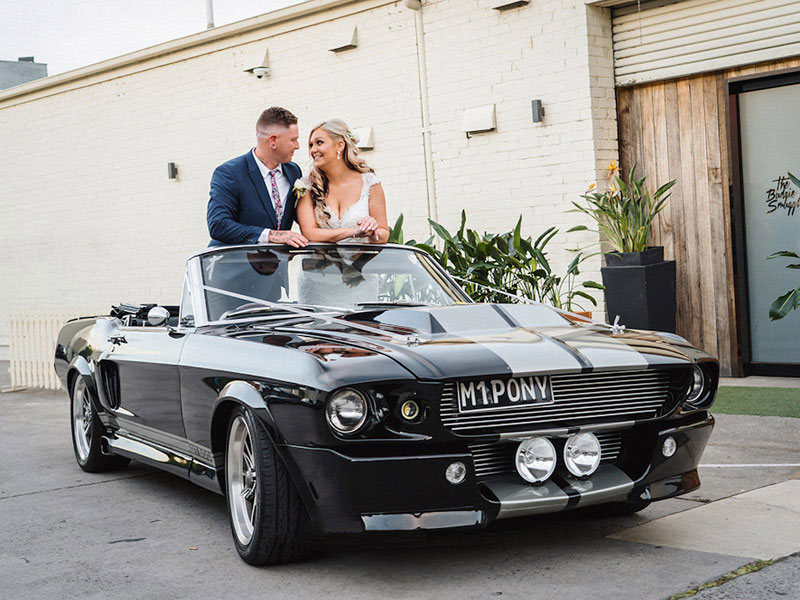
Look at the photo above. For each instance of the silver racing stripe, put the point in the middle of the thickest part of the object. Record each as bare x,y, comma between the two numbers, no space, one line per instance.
518,498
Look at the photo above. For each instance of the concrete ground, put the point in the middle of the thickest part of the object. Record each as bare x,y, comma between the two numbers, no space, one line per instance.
140,533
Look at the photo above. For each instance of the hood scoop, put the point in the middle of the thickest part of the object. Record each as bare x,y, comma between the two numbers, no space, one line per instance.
461,319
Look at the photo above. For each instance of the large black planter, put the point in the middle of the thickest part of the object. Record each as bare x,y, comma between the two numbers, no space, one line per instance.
640,288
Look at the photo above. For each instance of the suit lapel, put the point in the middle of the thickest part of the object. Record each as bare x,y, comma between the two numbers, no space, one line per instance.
261,188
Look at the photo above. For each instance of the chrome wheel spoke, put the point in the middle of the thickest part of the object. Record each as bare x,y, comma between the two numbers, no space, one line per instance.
242,480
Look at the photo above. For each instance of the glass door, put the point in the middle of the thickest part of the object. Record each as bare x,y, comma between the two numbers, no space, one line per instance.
768,148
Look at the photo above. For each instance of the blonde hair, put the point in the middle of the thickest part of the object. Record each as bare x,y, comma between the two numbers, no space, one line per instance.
319,186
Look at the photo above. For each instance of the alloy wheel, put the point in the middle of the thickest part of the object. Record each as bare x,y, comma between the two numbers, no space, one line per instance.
242,480
82,415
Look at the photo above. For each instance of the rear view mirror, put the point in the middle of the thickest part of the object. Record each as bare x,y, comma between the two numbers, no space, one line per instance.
157,316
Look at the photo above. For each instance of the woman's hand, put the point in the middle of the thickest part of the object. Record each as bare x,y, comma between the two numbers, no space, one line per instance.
368,225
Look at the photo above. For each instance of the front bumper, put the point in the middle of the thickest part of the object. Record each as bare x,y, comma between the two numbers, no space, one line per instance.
347,494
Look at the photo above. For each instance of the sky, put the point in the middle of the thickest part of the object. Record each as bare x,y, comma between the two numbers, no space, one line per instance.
69,34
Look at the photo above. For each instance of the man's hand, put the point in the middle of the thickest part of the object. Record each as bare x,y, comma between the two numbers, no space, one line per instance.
290,238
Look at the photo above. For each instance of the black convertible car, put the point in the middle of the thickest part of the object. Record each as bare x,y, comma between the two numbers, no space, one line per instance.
352,388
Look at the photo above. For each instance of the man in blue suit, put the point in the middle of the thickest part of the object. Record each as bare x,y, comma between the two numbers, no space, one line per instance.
251,199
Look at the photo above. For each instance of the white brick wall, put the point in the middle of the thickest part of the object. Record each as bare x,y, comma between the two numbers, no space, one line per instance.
89,216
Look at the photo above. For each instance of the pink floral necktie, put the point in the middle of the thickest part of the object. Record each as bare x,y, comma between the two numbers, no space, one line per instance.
276,196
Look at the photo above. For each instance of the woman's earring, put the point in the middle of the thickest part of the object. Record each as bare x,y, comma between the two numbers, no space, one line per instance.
339,155
273,146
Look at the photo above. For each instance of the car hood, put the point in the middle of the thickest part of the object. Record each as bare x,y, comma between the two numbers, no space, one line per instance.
473,340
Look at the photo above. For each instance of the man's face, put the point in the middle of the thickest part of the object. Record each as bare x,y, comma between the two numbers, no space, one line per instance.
286,143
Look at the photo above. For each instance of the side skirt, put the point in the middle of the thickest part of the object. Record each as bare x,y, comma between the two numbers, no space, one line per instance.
162,458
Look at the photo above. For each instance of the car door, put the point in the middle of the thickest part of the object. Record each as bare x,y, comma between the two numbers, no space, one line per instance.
141,378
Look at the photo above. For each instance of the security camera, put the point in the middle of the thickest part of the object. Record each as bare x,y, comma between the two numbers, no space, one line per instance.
261,72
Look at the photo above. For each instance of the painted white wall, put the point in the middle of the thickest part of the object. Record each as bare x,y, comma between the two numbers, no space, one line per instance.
90,217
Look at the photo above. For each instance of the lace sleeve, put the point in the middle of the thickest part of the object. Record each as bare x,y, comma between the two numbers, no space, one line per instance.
371,179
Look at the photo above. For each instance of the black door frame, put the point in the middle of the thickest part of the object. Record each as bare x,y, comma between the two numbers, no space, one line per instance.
736,86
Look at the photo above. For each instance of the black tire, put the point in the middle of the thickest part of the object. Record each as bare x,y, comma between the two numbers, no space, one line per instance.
86,441
279,526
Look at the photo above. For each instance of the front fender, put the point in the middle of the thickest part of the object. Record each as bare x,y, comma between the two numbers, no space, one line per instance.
244,393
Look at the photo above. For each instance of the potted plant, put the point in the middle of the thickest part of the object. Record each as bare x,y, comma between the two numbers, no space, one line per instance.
505,267
639,283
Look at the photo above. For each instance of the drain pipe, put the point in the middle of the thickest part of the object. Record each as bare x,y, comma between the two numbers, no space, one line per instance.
416,6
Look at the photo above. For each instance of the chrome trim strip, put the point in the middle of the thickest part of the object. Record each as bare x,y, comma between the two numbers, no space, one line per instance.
431,520
566,432
144,450
195,274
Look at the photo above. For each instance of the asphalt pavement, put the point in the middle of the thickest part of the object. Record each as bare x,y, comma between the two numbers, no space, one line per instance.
140,533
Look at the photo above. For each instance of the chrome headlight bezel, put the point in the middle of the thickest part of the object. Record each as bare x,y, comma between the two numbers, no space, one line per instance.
346,398
697,387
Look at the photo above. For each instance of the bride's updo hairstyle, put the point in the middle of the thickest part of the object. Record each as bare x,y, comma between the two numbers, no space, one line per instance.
318,188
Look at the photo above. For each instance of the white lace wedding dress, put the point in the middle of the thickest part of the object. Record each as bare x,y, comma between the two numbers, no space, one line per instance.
337,282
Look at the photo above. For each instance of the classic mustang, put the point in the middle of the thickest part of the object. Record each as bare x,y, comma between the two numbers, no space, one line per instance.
352,388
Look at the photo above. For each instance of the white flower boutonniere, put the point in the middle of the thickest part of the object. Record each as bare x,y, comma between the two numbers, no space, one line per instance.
299,189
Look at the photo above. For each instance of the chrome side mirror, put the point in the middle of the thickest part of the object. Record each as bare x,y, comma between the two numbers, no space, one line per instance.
157,316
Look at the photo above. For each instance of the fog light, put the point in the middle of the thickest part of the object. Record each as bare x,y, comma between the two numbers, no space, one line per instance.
456,472
535,459
409,410
582,454
669,446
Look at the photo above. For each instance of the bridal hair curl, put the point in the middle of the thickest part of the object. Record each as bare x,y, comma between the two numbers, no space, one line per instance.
318,188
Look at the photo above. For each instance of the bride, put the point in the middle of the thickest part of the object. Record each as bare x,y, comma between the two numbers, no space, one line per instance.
344,200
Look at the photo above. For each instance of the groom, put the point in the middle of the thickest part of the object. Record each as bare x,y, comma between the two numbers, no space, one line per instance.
251,199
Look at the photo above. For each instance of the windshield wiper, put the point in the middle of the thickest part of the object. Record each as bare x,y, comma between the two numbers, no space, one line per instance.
257,310
395,303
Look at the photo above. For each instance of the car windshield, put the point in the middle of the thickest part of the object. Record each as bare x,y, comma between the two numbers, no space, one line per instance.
241,282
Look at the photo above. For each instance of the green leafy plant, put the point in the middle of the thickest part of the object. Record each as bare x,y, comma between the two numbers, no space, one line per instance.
625,211
783,305
515,266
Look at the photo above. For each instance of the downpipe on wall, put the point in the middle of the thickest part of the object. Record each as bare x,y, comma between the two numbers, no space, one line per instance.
416,6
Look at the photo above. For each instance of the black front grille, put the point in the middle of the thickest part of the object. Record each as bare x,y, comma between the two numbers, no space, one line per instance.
497,458
578,398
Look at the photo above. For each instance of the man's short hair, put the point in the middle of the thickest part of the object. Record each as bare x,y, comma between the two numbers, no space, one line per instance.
274,115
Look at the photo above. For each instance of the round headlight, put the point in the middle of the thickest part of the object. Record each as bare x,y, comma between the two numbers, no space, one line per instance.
582,454
535,459
698,385
346,411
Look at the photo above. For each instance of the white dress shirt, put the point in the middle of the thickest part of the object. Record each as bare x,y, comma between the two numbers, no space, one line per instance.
283,188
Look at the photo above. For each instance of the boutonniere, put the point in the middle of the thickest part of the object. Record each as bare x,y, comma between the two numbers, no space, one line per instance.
299,189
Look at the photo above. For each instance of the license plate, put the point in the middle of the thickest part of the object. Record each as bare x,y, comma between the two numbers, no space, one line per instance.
503,393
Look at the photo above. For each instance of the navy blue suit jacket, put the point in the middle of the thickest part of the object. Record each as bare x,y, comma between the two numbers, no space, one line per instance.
239,206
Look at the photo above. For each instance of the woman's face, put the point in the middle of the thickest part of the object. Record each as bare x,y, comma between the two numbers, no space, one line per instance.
322,148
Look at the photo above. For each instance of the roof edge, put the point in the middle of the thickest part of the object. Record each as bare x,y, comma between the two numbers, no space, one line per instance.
289,13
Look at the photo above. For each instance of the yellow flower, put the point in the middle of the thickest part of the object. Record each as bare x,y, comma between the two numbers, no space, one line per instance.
612,168
591,187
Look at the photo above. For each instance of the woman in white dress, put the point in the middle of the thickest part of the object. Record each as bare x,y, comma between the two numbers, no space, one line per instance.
344,200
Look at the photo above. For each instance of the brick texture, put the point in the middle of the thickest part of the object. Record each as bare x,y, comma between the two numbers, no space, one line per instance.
90,217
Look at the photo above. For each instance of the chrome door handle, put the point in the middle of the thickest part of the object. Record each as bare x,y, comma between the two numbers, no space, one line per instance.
117,339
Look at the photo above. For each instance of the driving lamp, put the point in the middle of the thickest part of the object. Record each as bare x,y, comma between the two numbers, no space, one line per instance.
698,385
535,459
346,411
456,472
409,410
582,454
